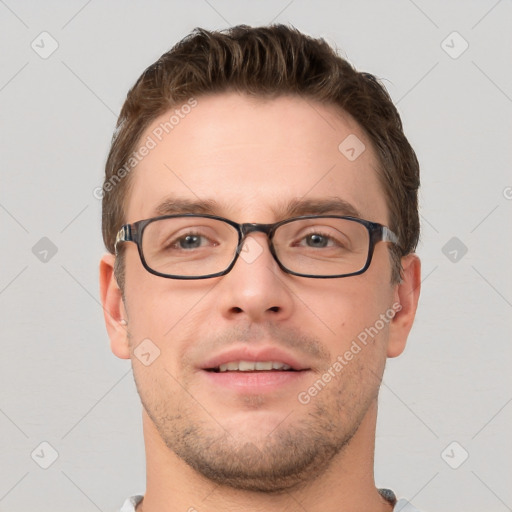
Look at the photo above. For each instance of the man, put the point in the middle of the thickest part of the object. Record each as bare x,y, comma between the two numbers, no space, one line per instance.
260,212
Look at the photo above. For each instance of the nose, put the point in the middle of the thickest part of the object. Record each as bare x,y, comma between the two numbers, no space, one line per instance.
256,289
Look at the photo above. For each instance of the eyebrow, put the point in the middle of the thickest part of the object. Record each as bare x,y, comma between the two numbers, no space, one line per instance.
293,208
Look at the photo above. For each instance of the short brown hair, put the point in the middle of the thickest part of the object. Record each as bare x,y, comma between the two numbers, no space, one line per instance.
266,61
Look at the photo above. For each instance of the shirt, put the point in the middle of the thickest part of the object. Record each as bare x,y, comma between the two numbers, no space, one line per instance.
129,505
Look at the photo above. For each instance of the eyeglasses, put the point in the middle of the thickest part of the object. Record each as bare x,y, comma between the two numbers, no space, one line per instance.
191,246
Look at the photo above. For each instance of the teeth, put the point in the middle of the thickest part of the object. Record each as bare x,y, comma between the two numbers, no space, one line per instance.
263,365
247,366
280,366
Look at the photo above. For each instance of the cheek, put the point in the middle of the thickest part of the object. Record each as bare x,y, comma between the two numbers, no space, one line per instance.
341,309
154,303
168,313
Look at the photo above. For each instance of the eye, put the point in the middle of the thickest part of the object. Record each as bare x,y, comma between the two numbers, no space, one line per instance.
317,240
190,241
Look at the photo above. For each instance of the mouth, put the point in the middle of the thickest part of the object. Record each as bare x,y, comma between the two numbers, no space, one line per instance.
252,367
255,370
254,359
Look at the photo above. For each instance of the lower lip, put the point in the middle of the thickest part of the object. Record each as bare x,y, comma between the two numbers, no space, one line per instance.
255,382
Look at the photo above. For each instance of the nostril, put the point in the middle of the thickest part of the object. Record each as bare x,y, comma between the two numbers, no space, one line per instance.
275,309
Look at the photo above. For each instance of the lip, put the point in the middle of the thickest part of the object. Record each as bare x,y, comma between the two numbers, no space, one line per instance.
255,354
255,382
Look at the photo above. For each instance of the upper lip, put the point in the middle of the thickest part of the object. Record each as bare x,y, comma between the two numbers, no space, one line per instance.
247,353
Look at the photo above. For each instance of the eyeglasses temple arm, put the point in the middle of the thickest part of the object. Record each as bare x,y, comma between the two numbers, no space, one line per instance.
123,235
389,236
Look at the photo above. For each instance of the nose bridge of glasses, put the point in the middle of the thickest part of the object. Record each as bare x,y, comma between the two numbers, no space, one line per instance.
251,227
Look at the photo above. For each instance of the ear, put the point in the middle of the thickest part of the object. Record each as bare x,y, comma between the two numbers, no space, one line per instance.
407,294
113,308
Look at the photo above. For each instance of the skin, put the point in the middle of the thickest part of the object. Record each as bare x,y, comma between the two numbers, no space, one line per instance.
216,449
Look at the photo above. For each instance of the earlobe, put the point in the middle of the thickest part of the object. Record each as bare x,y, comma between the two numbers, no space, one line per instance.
407,295
113,308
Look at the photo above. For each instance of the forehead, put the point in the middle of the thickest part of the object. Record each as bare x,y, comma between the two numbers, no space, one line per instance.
250,157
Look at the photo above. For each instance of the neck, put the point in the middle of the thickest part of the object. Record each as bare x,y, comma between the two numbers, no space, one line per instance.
347,483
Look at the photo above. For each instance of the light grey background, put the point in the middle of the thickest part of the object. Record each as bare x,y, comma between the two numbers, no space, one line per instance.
60,383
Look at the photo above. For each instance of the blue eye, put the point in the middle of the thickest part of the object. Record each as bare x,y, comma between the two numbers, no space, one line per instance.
316,240
190,241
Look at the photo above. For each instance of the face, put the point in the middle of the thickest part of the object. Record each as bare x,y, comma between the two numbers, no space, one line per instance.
261,161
